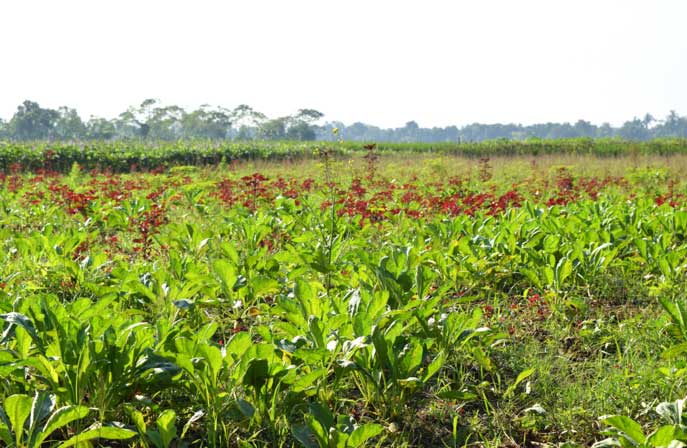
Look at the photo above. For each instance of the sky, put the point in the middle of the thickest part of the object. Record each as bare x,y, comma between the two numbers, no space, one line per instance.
438,62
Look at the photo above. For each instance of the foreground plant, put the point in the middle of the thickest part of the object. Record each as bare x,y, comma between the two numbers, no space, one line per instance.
277,308
627,433
323,430
27,422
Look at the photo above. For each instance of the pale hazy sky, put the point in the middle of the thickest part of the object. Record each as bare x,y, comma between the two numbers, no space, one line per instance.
381,62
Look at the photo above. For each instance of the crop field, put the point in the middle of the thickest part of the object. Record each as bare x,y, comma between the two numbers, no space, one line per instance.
124,156
348,299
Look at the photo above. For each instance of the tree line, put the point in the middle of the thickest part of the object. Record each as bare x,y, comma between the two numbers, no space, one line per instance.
155,121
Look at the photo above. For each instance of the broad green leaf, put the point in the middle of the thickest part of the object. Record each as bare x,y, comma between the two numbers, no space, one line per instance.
306,296
322,415
433,367
548,275
206,332
246,408
316,333
532,276
460,395
307,381
41,407
43,365
226,273
166,426
99,432
663,436
263,285
155,438
482,358
213,356
551,243
305,436
630,428
6,435
563,270
410,359
23,339
230,251
362,433
137,418
238,345
338,439
256,374
23,321
318,430
18,409
61,418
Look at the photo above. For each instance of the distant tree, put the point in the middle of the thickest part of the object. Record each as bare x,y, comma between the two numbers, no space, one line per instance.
274,129
69,125
325,132
356,131
244,115
671,123
301,131
673,126
605,131
135,121
165,123
562,130
309,116
647,120
584,129
244,133
207,122
409,132
31,122
450,134
634,130
151,120
245,122
536,131
301,125
478,132
100,129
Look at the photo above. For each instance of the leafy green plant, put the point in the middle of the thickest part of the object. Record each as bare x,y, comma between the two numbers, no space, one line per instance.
165,432
322,430
27,422
627,433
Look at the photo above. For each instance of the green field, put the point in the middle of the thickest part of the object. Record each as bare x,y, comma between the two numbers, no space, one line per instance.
497,294
132,155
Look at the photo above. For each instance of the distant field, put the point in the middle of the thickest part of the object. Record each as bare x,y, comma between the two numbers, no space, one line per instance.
342,298
124,156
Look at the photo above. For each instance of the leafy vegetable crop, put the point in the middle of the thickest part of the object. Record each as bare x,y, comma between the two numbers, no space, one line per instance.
223,307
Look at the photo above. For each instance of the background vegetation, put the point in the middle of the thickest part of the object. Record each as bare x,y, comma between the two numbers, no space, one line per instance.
154,121
133,155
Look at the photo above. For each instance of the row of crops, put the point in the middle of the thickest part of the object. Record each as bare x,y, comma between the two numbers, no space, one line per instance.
208,307
124,156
